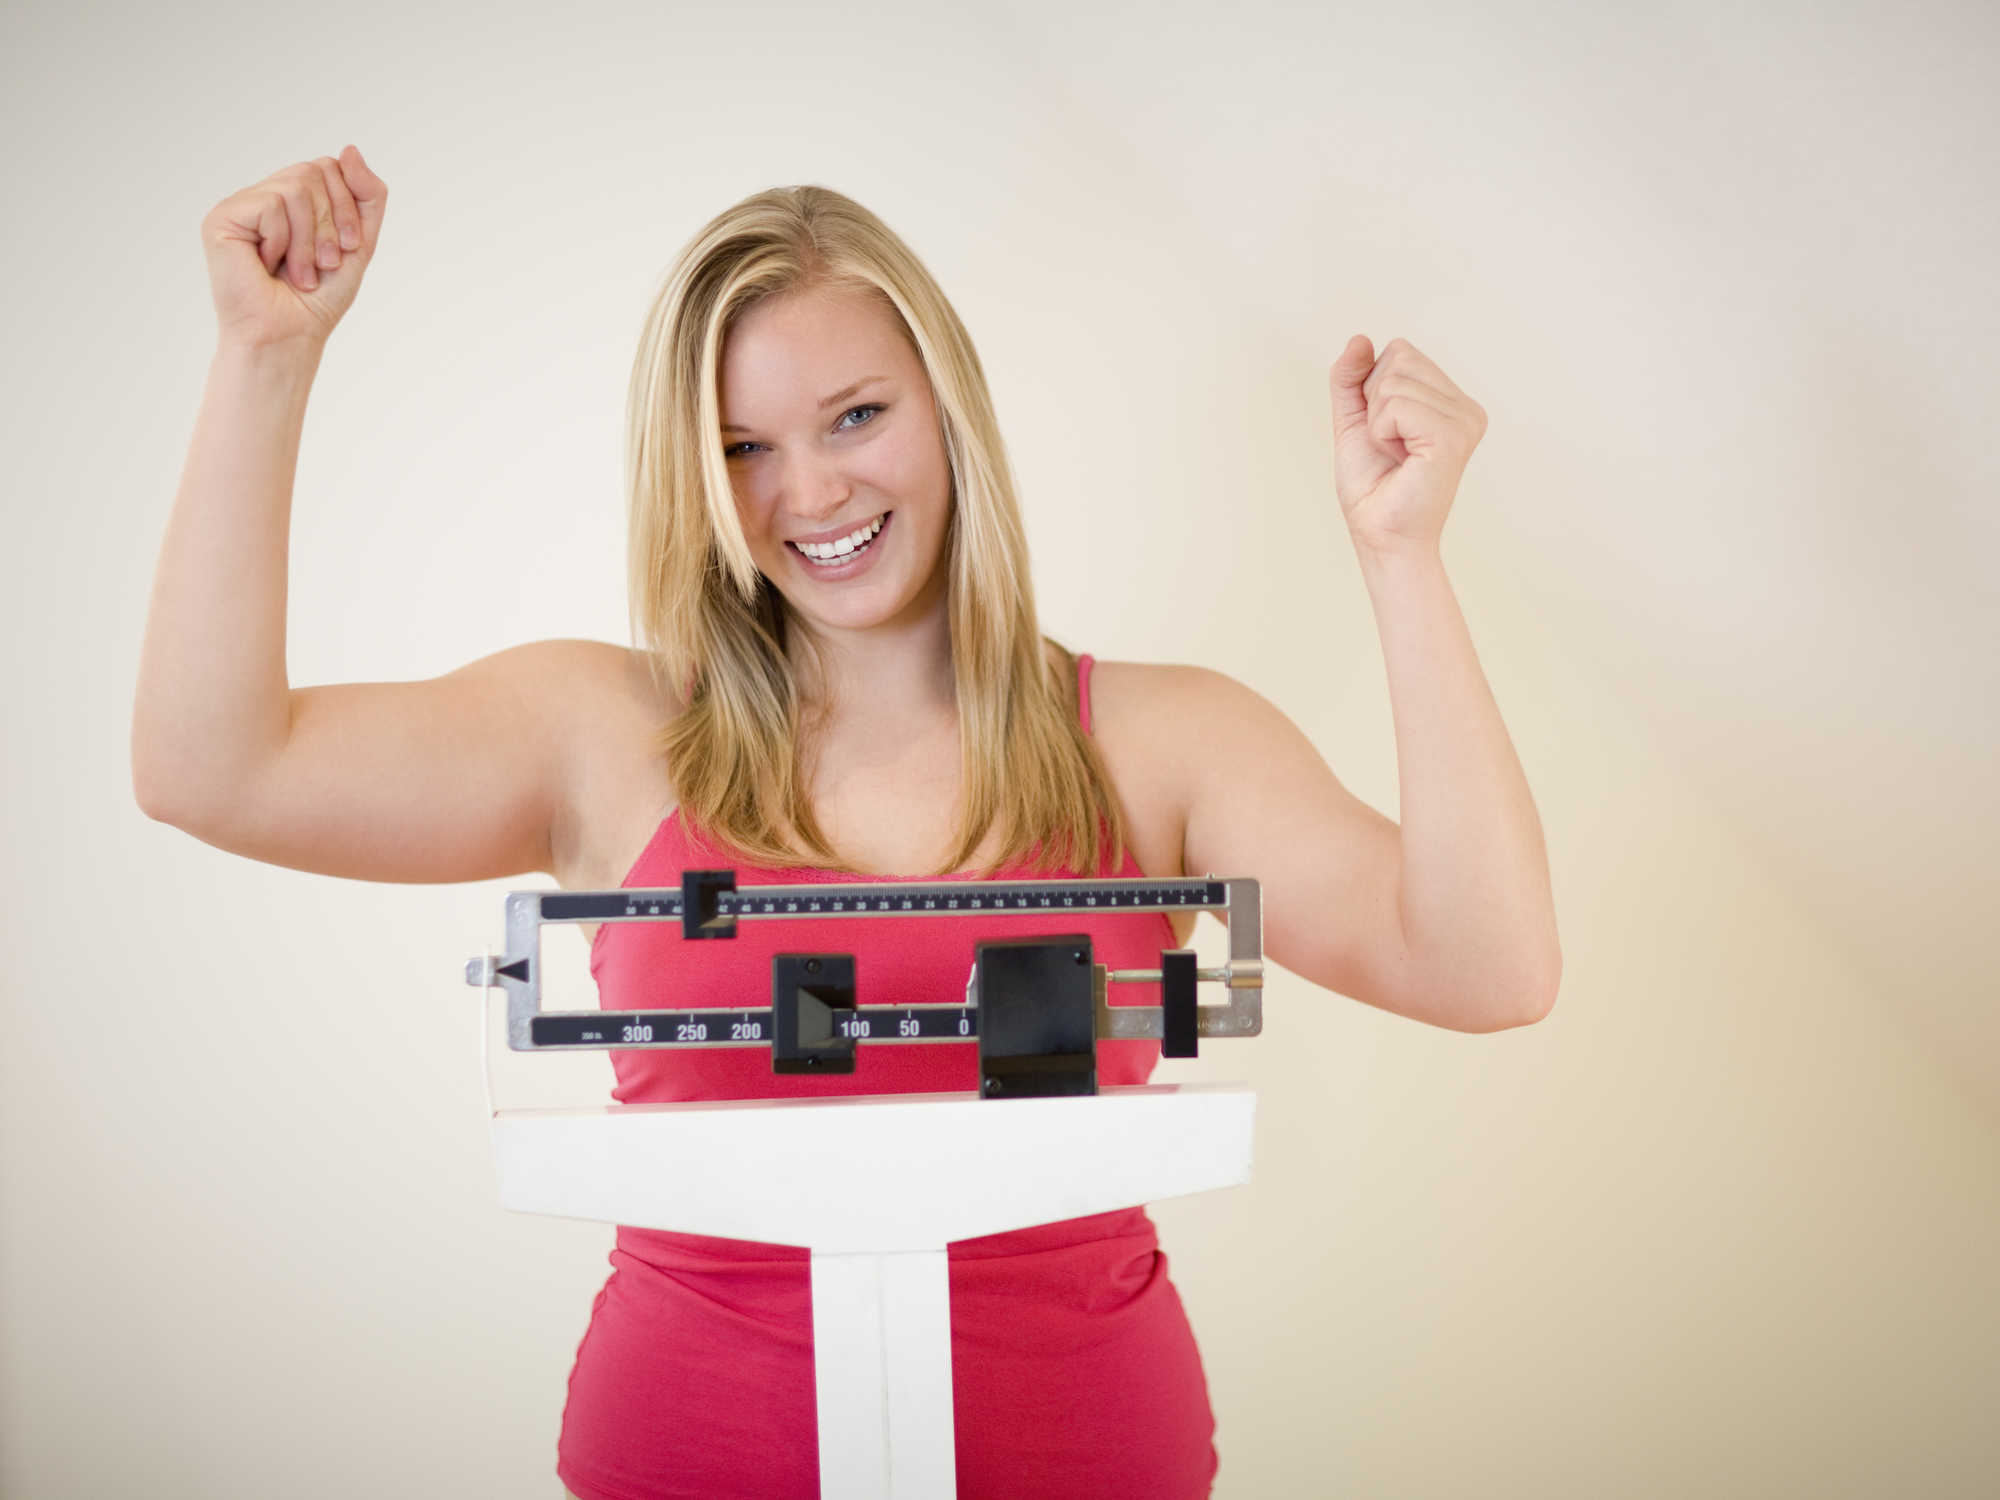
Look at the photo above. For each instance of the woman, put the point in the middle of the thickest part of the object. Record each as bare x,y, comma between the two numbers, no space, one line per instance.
842,678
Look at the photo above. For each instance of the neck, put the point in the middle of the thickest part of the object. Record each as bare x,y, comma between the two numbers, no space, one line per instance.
896,671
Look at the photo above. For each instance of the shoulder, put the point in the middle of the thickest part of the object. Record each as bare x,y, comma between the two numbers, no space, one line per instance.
597,711
1166,735
1169,733
1142,700
590,684
589,713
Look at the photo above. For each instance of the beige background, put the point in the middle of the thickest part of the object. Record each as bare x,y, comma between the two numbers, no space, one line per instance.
1728,1224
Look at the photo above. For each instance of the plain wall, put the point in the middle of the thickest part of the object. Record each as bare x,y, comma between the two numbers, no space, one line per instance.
1722,1225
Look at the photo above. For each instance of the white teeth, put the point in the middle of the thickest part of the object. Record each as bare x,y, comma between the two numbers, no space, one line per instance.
854,541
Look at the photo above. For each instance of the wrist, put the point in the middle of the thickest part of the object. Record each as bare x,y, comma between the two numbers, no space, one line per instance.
1397,556
270,362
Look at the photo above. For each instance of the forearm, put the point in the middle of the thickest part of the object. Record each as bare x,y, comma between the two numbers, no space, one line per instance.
214,703
1479,947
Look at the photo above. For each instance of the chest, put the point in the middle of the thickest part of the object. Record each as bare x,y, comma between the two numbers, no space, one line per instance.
888,794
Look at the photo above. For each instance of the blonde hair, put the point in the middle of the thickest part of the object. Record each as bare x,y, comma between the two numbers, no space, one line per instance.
716,628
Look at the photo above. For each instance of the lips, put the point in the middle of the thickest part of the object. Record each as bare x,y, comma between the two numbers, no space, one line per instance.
832,554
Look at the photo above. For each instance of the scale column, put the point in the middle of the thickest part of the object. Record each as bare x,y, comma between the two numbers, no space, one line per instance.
882,1374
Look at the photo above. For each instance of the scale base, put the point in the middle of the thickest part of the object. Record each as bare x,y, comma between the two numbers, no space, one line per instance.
876,1186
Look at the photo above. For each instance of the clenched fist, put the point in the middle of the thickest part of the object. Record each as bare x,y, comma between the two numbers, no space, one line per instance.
1402,433
285,257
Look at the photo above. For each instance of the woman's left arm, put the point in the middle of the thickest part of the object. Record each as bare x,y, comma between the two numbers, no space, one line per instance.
1449,918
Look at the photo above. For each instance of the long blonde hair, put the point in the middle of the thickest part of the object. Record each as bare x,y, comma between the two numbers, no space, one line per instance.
716,628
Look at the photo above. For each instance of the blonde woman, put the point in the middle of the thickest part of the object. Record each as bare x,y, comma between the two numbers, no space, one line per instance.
841,677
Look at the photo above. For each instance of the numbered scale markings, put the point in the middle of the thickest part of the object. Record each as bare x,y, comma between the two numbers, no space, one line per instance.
748,1028
896,900
708,905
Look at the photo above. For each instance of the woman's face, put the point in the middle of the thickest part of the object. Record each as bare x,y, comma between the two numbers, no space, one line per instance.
835,457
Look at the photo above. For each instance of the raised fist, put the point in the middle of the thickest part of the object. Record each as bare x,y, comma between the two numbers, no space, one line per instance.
285,257
1402,433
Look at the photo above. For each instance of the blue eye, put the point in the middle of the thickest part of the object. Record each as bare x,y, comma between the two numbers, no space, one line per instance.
859,416
738,450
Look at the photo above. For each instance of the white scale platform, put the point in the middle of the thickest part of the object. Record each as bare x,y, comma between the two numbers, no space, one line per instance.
875,1187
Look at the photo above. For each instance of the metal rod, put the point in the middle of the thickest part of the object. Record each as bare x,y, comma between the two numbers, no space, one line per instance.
517,971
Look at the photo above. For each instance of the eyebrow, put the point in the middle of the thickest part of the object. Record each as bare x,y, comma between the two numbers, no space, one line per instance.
845,393
841,395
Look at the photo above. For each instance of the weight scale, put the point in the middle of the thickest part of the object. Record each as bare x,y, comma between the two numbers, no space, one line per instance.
875,1186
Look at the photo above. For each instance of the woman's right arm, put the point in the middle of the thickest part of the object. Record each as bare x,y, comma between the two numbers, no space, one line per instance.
460,778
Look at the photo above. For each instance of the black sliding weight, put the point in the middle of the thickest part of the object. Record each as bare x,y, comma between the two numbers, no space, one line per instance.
701,903
810,992
1179,1036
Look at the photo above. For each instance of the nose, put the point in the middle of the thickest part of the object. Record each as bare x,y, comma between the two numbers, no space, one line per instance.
815,487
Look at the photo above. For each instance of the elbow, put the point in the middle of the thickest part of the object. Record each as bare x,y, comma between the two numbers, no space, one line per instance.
1522,997
1495,993
158,783
160,796
152,788
170,793
1522,1009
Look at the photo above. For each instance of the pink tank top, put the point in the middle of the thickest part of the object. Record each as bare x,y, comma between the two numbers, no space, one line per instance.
923,960
1074,1373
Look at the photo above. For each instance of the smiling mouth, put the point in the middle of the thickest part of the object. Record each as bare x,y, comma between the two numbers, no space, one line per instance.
842,549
